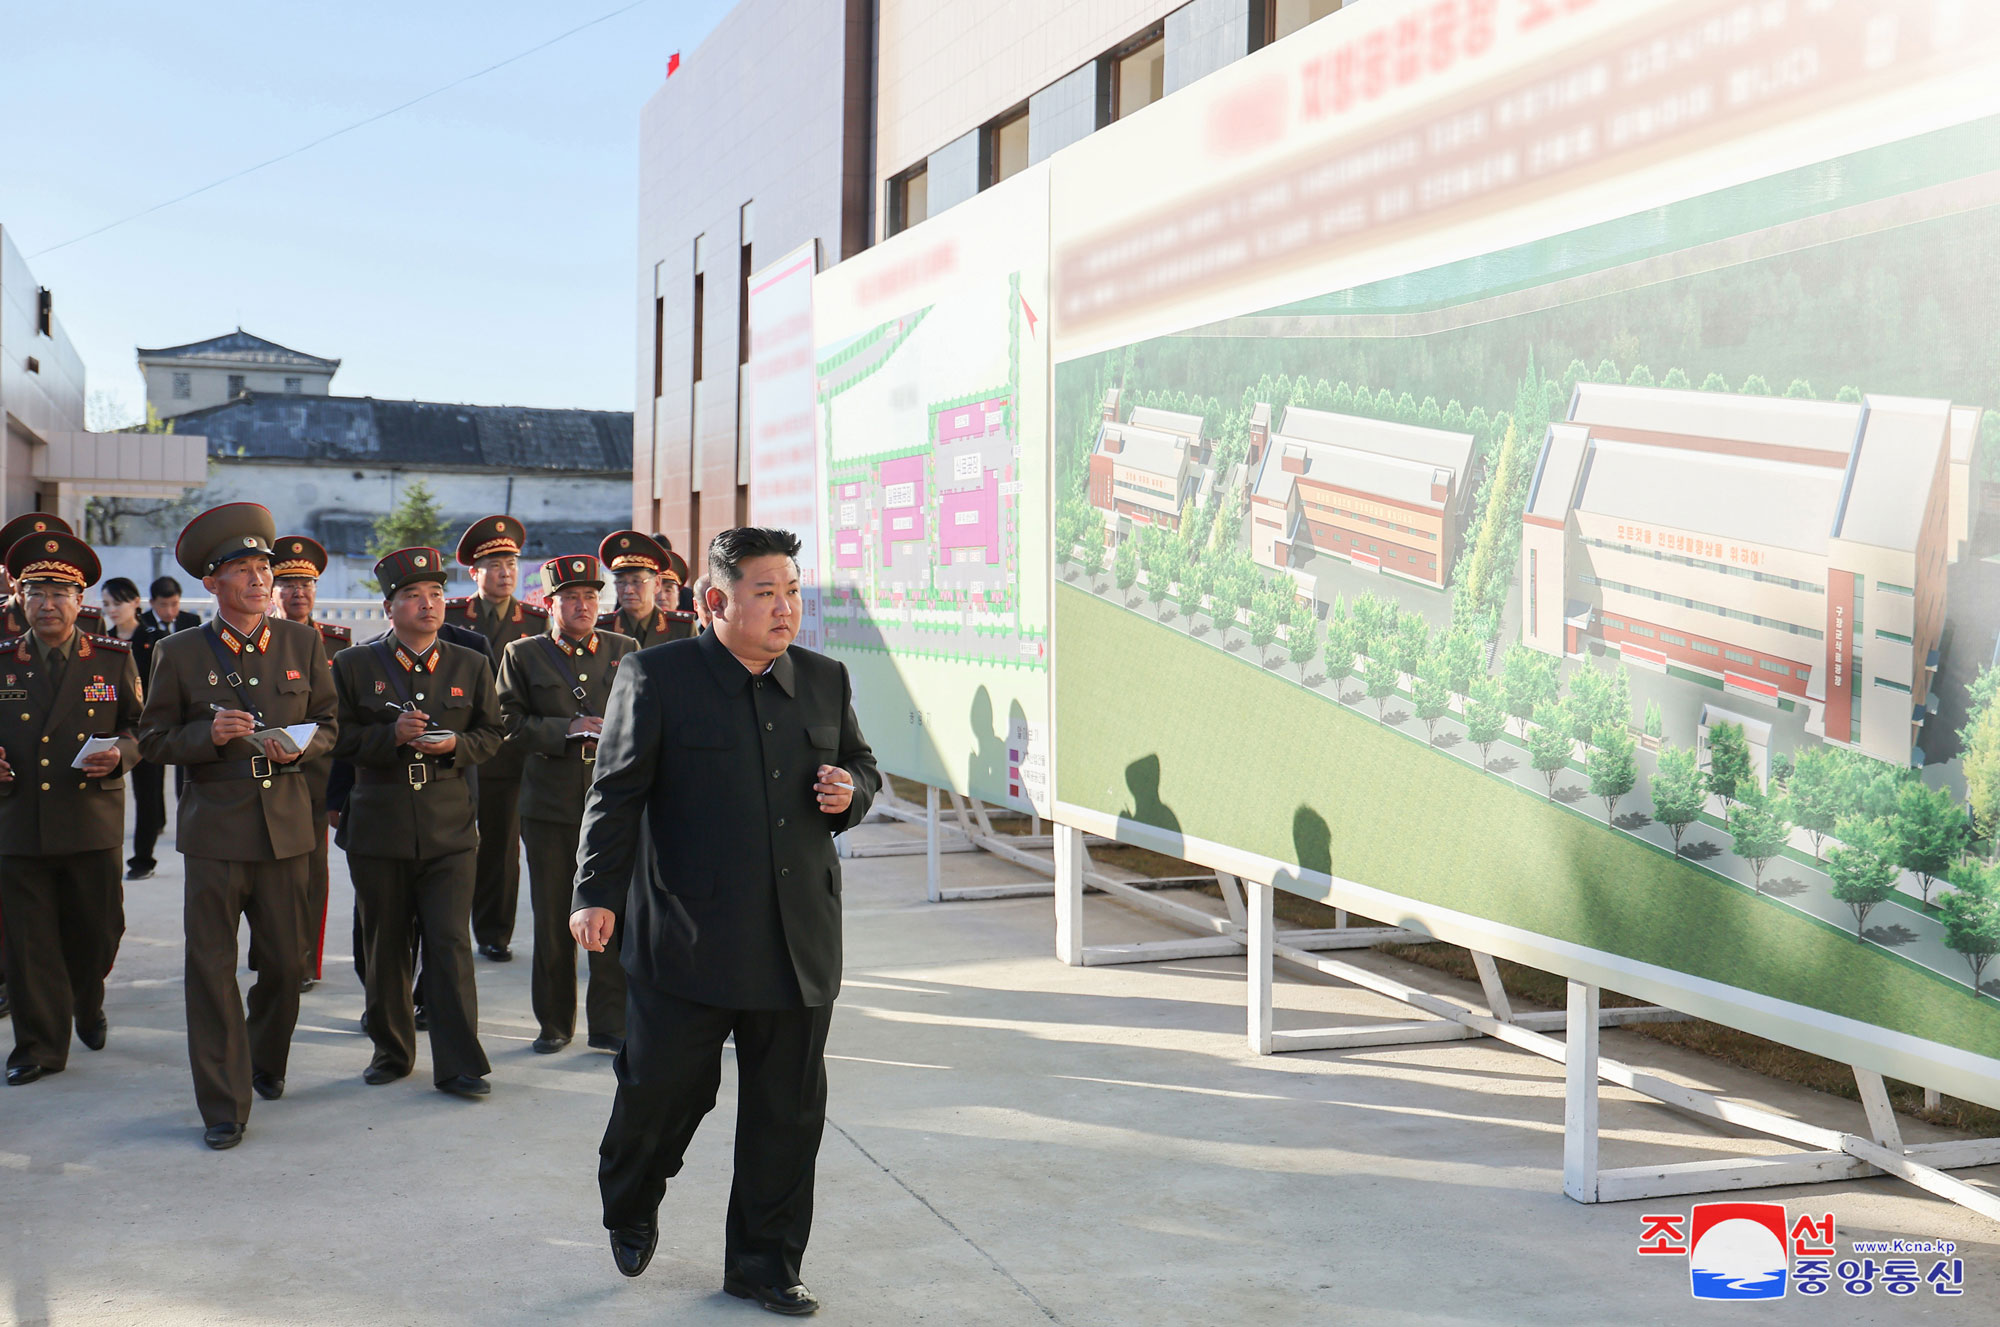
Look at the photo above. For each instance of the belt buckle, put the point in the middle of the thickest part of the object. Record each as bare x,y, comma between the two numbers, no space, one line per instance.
260,767
419,774
590,753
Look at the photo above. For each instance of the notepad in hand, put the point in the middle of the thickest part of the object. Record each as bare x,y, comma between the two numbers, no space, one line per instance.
91,747
290,740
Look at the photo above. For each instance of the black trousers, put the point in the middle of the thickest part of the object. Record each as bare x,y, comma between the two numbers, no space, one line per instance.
497,894
667,1079
394,894
65,916
313,938
552,986
149,812
225,1046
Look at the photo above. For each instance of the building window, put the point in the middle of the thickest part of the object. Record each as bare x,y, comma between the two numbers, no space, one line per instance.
659,346
183,387
1284,17
45,311
1737,656
1003,148
294,386
1893,635
1669,638
909,198
1888,588
1136,74
235,385
1703,647
1534,595
1805,674
1888,685
1615,623
1781,669
1638,630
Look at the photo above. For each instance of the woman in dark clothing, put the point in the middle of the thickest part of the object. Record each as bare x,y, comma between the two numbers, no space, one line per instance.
123,620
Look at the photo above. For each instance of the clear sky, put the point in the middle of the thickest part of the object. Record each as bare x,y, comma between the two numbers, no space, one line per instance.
478,247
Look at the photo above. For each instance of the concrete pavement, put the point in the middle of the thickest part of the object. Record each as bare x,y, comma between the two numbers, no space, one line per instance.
1010,1142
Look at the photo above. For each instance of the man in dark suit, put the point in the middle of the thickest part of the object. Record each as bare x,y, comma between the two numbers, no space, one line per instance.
728,762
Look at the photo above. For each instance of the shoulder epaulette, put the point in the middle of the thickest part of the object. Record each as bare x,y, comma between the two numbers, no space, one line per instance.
10,643
533,610
105,642
606,621
335,631
682,614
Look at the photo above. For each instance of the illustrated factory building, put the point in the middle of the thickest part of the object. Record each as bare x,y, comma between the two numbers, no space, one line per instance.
1791,550
1386,497
1147,468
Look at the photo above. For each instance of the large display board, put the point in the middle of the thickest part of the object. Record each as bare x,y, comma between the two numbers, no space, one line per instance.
932,407
1474,420
778,416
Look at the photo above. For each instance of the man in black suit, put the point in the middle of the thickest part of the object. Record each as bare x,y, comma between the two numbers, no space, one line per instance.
728,762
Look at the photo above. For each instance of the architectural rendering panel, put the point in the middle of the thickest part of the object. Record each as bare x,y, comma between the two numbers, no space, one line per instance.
1493,508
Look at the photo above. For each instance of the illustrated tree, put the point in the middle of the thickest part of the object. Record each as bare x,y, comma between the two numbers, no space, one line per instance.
1125,566
1549,745
1656,723
1302,637
1816,796
1680,790
1971,917
1728,761
1863,868
1930,833
1264,619
1485,716
1588,693
1431,694
1197,582
1759,830
1981,765
1611,766
1462,656
1527,681
1162,567
1412,642
1373,616
1380,679
415,521
1339,650
1714,382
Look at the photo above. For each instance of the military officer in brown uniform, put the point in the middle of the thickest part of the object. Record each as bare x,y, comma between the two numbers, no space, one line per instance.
245,823
297,563
415,714
639,569
491,547
13,606
61,826
553,689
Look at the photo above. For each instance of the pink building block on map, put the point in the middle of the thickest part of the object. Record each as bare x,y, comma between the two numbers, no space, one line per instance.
902,502
970,518
847,548
971,421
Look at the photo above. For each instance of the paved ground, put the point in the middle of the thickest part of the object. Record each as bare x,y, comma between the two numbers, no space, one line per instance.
1011,1142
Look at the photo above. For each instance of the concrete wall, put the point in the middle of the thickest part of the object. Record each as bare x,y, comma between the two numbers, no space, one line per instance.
771,110
209,384
33,405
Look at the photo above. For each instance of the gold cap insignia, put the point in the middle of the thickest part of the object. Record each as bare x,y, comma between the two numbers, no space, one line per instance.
51,546
421,560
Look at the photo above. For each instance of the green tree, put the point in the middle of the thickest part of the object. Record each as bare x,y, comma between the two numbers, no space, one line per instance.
1527,680
1728,761
1754,385
1611,766
1380,679
1162,567
1979,694
416,521
1816,797
1800,390
1680,790
1462,656
1264,619
1929,831
1971,917
1339,650
1549,747
1302,637
1676,380
1197,582
1981,765
1656,723
1759,830
1640,376
1432,695
1125,566
1849,395
1863,869
1588,695
1485,716
1608,372
1714,382
1412,642
1577,372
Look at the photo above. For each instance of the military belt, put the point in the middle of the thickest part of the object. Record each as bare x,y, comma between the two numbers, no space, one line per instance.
415,774
257,767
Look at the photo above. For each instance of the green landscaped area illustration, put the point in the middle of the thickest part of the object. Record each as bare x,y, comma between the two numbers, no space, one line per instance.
1617,618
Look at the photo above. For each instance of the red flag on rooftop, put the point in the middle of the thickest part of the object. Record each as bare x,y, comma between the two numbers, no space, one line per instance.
673,63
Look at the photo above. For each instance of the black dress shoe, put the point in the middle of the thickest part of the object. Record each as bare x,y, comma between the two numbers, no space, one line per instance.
307,983
604,1041
269,1086
632,1246
465,1085
423,1020
222,1137
377,1074
549,1045
92,1034
23,1074
497,953
792,1301
139,873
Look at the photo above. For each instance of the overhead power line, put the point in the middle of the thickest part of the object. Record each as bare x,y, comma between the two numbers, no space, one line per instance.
344,129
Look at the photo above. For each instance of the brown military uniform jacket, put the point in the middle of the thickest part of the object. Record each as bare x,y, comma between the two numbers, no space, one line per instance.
406,804
538,689
513,620
48,808
661,626
319,769
238,807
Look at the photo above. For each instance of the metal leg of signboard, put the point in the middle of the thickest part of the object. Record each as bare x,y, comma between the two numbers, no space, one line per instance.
942,836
